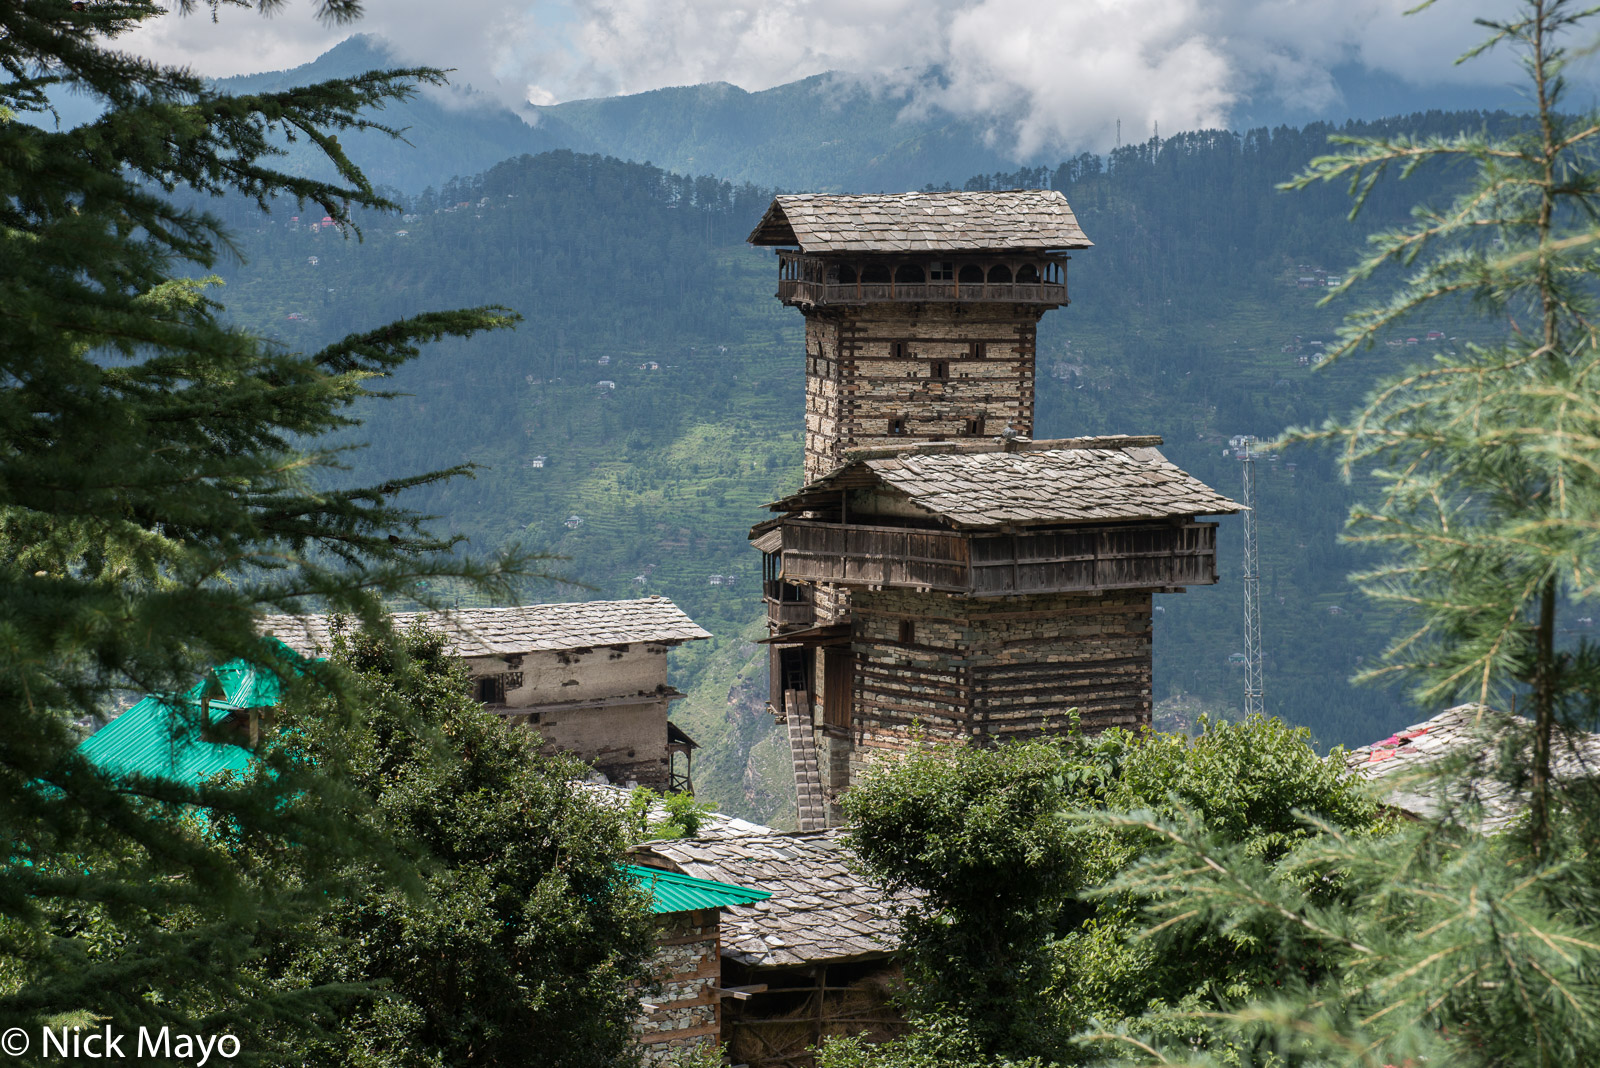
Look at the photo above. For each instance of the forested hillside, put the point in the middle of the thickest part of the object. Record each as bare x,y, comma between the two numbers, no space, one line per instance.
660,383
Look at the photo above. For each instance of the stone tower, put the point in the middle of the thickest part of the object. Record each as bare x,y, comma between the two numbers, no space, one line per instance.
939,571
921,310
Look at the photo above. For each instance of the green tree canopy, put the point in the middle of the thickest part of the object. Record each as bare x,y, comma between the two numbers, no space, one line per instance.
524,942
1024,937
160,485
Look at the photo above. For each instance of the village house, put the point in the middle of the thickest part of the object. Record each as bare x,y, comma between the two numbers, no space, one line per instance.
813,959
938,568
681,1010
1466,740
590,678
810,953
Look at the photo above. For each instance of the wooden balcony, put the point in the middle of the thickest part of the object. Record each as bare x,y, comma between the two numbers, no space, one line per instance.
809,280
788,606
801,292
1133,556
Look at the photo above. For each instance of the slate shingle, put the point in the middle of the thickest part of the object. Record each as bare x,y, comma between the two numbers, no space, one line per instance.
1032,220
526,629
1090,480
820,910
1471,734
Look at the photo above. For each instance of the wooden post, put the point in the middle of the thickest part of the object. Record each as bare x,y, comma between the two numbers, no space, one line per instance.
822,997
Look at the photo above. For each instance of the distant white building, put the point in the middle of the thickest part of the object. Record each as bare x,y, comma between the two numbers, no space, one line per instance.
537,461
574,522
604,361
606,383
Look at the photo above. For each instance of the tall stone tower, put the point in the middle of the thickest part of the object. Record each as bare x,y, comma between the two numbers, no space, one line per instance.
939,571
921,310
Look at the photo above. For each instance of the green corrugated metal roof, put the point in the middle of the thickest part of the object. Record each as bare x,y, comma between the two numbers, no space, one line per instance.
159,736
671,892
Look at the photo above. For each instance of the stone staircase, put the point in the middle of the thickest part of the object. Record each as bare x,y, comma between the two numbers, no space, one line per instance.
803,745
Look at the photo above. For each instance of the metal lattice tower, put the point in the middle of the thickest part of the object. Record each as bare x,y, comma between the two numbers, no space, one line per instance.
1252,588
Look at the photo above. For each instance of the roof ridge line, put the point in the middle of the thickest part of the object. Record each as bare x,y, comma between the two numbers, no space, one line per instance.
940,448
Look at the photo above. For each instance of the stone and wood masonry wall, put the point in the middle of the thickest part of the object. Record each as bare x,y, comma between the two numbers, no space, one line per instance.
870,365
980,670
688,970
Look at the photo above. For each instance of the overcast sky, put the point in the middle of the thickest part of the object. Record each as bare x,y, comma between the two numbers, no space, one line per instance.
1062,71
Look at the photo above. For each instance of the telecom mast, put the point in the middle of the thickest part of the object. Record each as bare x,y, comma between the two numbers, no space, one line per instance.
1252,587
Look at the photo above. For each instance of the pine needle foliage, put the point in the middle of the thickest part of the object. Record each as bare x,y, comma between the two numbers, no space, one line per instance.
1486,459
160,486
1444,943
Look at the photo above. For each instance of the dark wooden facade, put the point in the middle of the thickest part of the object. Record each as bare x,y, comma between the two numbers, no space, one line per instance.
807,280
1070,560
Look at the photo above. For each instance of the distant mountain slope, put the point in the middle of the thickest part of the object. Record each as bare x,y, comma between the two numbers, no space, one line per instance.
822,133
826,133
446,137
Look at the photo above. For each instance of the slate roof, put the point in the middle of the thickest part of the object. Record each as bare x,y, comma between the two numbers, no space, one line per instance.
1076,480
1400,764
820,910
1020,219
509,631
717,825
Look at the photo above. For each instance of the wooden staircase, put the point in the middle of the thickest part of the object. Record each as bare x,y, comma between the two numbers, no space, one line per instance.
803,745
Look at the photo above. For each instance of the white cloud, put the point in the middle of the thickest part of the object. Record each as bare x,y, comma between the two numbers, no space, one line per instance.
1054,75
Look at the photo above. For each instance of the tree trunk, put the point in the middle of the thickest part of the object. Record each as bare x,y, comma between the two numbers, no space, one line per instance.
1544,716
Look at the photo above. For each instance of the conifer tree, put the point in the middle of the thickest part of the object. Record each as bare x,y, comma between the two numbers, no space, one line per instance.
160,486
1486,457
1454,941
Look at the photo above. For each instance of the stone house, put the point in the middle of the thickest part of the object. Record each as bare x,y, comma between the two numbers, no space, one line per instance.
813,959
682,1008
590,678
1467,739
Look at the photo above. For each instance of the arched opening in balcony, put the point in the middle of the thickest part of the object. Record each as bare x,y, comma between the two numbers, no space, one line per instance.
999,274
908,274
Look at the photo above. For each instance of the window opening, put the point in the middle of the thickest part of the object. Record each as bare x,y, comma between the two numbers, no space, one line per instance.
491,689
